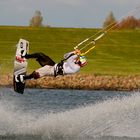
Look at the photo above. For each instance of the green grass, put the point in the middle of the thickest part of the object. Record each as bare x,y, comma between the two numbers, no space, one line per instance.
117,53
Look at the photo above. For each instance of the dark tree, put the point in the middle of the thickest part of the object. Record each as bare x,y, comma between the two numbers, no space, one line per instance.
36,20
129,23
110,21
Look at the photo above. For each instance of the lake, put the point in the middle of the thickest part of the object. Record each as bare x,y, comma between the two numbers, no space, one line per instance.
50,114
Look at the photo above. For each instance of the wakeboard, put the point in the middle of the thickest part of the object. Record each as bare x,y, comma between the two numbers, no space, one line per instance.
20,65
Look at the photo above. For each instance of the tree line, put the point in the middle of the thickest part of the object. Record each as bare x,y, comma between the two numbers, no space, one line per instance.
129,22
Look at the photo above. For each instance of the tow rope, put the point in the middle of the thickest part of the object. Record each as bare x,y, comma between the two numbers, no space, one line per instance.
101,34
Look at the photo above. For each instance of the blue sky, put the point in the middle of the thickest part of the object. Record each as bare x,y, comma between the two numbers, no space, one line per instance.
64,13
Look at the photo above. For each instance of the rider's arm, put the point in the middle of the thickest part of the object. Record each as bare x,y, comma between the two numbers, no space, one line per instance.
67,55
75,52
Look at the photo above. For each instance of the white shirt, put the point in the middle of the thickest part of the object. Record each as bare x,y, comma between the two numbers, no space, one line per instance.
69,65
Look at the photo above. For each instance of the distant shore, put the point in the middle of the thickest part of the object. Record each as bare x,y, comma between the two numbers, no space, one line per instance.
81,81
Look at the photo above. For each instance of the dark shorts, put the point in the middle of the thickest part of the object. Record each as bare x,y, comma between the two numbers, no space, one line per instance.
41,58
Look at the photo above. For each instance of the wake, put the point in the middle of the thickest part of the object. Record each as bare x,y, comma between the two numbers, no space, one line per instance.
115,117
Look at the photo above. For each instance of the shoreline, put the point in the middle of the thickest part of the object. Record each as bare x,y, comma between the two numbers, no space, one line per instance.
81,81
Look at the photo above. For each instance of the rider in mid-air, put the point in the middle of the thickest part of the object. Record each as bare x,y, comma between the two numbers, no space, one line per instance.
71,64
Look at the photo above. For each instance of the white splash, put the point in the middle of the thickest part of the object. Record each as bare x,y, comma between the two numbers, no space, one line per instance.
116,117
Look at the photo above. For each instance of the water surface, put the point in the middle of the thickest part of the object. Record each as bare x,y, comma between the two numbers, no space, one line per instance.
44,114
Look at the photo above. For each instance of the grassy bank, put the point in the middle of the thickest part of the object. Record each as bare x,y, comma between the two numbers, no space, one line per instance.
82,81
116,54
113,65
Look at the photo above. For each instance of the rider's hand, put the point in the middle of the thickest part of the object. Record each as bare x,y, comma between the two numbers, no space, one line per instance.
78,52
